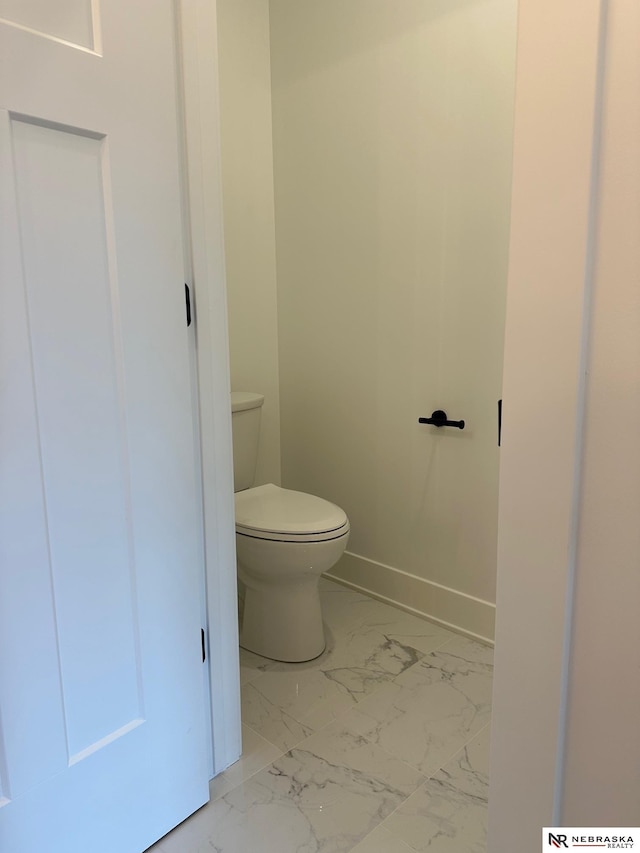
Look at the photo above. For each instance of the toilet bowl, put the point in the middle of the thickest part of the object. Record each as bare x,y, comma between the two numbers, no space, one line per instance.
284,541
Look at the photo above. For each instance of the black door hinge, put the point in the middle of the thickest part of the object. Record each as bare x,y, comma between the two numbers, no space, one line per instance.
499,422
188,301
204,645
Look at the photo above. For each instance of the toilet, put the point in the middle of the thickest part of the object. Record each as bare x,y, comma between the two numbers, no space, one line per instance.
284,541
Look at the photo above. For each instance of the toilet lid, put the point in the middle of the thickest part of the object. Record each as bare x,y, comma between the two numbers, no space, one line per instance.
274,510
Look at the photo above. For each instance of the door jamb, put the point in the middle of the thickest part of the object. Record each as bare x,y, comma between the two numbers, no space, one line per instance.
554,204
198,38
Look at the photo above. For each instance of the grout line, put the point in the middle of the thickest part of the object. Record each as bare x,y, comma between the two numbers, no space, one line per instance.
277,745
430,778
404,847
262,737
251,680
247,778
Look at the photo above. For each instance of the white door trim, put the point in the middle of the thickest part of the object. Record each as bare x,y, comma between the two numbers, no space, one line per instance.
554,196
198,27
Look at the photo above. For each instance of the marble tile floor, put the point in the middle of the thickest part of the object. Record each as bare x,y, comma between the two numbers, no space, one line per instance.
380,745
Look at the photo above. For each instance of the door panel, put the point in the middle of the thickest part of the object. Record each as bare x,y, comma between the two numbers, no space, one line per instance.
101,704
69,20
80,425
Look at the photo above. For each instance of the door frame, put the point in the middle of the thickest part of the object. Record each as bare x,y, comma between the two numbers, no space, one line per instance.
546,290
552,246
197,28
554,198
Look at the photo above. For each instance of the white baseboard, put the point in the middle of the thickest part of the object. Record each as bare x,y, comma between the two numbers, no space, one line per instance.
450,608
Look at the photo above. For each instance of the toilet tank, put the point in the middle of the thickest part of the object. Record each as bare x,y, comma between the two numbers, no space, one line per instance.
245,424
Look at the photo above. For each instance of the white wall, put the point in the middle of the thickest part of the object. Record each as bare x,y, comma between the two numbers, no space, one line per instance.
565,739
392,152
247,170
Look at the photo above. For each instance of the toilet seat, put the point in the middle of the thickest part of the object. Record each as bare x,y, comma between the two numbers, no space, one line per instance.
283,515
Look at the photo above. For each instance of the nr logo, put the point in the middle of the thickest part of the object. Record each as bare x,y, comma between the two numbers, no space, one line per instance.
557,840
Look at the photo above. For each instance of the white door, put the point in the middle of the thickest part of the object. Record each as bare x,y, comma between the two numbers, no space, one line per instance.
102,744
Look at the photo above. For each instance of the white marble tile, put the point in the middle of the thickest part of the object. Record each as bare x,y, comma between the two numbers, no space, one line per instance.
319,691
372,642
433,709
285,707
418,633
464,649
381,841
351,613
268,718
346,611
449,813
368,644
252,666
336,790
468,770
256,754
372,650
340,747
284,702
323,797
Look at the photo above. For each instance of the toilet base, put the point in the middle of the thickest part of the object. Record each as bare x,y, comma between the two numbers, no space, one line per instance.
282,619
283,625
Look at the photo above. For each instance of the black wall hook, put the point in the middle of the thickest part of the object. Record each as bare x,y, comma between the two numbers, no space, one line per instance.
439,419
